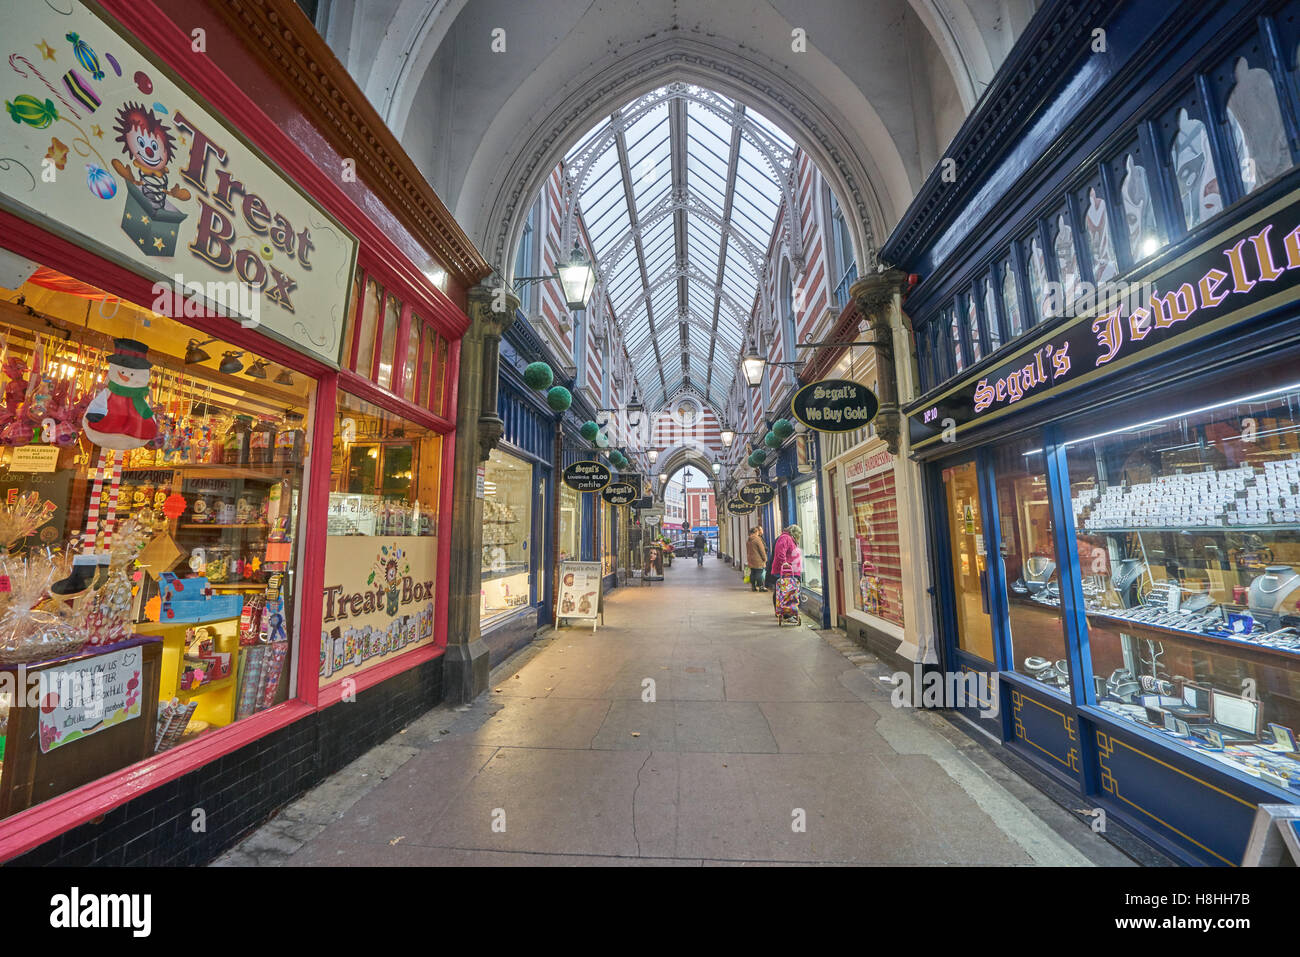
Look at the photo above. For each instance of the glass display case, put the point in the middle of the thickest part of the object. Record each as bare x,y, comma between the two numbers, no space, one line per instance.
507,524
1189,546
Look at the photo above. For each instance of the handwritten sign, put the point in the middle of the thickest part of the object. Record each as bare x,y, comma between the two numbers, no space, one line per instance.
81,699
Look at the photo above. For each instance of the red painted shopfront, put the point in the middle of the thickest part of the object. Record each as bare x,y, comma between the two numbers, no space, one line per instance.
198,190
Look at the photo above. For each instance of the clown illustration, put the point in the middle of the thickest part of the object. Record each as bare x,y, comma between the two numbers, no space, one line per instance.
149,218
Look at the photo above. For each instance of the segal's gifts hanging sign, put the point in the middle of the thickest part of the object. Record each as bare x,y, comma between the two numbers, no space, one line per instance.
102,145
378,601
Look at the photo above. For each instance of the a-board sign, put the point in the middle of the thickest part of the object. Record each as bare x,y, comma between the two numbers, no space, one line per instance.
834,405
579,592
586,476
738,507
757,493
620,493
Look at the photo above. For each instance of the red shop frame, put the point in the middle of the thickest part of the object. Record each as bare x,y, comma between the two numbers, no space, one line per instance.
379,256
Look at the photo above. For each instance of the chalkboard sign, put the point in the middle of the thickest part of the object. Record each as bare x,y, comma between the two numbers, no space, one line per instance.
620,493
587,476
757,493
834,405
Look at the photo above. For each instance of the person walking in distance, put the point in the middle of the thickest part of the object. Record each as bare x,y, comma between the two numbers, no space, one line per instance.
701,544
756,558
785,551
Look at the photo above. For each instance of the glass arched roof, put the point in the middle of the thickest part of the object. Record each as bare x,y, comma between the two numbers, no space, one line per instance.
679,191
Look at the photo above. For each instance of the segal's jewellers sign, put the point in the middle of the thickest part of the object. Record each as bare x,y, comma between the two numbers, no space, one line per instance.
102,145
1228,279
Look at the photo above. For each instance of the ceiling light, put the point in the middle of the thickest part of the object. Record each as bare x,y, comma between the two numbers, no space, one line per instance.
728,436
717,467
230,363
284,378
257,370
194,355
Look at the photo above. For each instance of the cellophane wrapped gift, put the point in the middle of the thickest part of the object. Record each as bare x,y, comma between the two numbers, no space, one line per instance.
27,632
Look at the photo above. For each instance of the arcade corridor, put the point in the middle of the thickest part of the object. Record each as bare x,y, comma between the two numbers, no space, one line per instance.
751,722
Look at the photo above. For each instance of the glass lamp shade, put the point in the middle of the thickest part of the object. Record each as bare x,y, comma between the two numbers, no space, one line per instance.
717,468
753,365
663,477
728,436
578,278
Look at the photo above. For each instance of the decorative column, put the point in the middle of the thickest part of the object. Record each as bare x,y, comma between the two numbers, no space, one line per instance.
478,429
879,299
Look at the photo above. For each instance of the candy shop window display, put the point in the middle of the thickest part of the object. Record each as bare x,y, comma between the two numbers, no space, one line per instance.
153,479
1189,544
382,545
876,558
507,522
805,500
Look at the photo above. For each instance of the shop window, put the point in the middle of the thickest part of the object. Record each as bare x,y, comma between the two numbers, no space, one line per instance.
877,561
1097,234
507,532
1011,299
1189,546
435,382
1254,118
969,560
1030,563
1066,255
411,361
388,342
1040,297
570,524
354,316
370,310
991,314
152,551
385,486
1142,233
608,513
973,330
1190,155
958,355
806,517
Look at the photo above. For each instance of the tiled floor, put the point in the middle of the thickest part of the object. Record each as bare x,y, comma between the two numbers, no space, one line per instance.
758,745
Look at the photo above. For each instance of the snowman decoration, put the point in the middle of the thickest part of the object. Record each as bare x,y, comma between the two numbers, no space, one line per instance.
118,418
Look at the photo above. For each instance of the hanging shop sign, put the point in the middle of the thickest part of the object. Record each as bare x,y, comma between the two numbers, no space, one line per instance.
1228,279
106,148
738,507
834,405
587,476
757,493
620,493
372,611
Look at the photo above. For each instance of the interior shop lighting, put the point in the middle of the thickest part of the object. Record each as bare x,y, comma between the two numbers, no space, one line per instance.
230,363
257,369
284,378
194,353
1240,400
1150,245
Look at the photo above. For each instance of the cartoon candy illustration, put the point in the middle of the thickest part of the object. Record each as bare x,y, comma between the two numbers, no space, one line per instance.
85,56
113,63
100,182
80,89
27,109
142,82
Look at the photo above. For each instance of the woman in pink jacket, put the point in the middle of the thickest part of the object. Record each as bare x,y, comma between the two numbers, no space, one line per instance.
785,551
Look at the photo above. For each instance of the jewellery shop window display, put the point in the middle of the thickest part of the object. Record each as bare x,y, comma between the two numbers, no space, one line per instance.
151,503
381,545
507,524
1189,538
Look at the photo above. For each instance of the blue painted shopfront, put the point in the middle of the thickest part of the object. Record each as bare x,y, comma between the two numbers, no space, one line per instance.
784,473
1114,483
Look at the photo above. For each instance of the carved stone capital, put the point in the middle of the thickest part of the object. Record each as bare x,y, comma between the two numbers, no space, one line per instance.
876,292
492,309
490,430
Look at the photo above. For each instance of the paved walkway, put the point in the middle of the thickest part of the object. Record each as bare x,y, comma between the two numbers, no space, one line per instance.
753,731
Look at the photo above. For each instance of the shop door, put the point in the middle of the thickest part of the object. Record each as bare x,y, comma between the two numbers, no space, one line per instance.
971,625
836,559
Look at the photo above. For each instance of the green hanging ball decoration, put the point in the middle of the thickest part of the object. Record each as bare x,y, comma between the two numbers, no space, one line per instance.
559,398
538,375
783,428
589,430
602,440
771,441
757,457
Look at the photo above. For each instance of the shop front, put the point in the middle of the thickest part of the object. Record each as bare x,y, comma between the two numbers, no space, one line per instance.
189,310
1114,481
